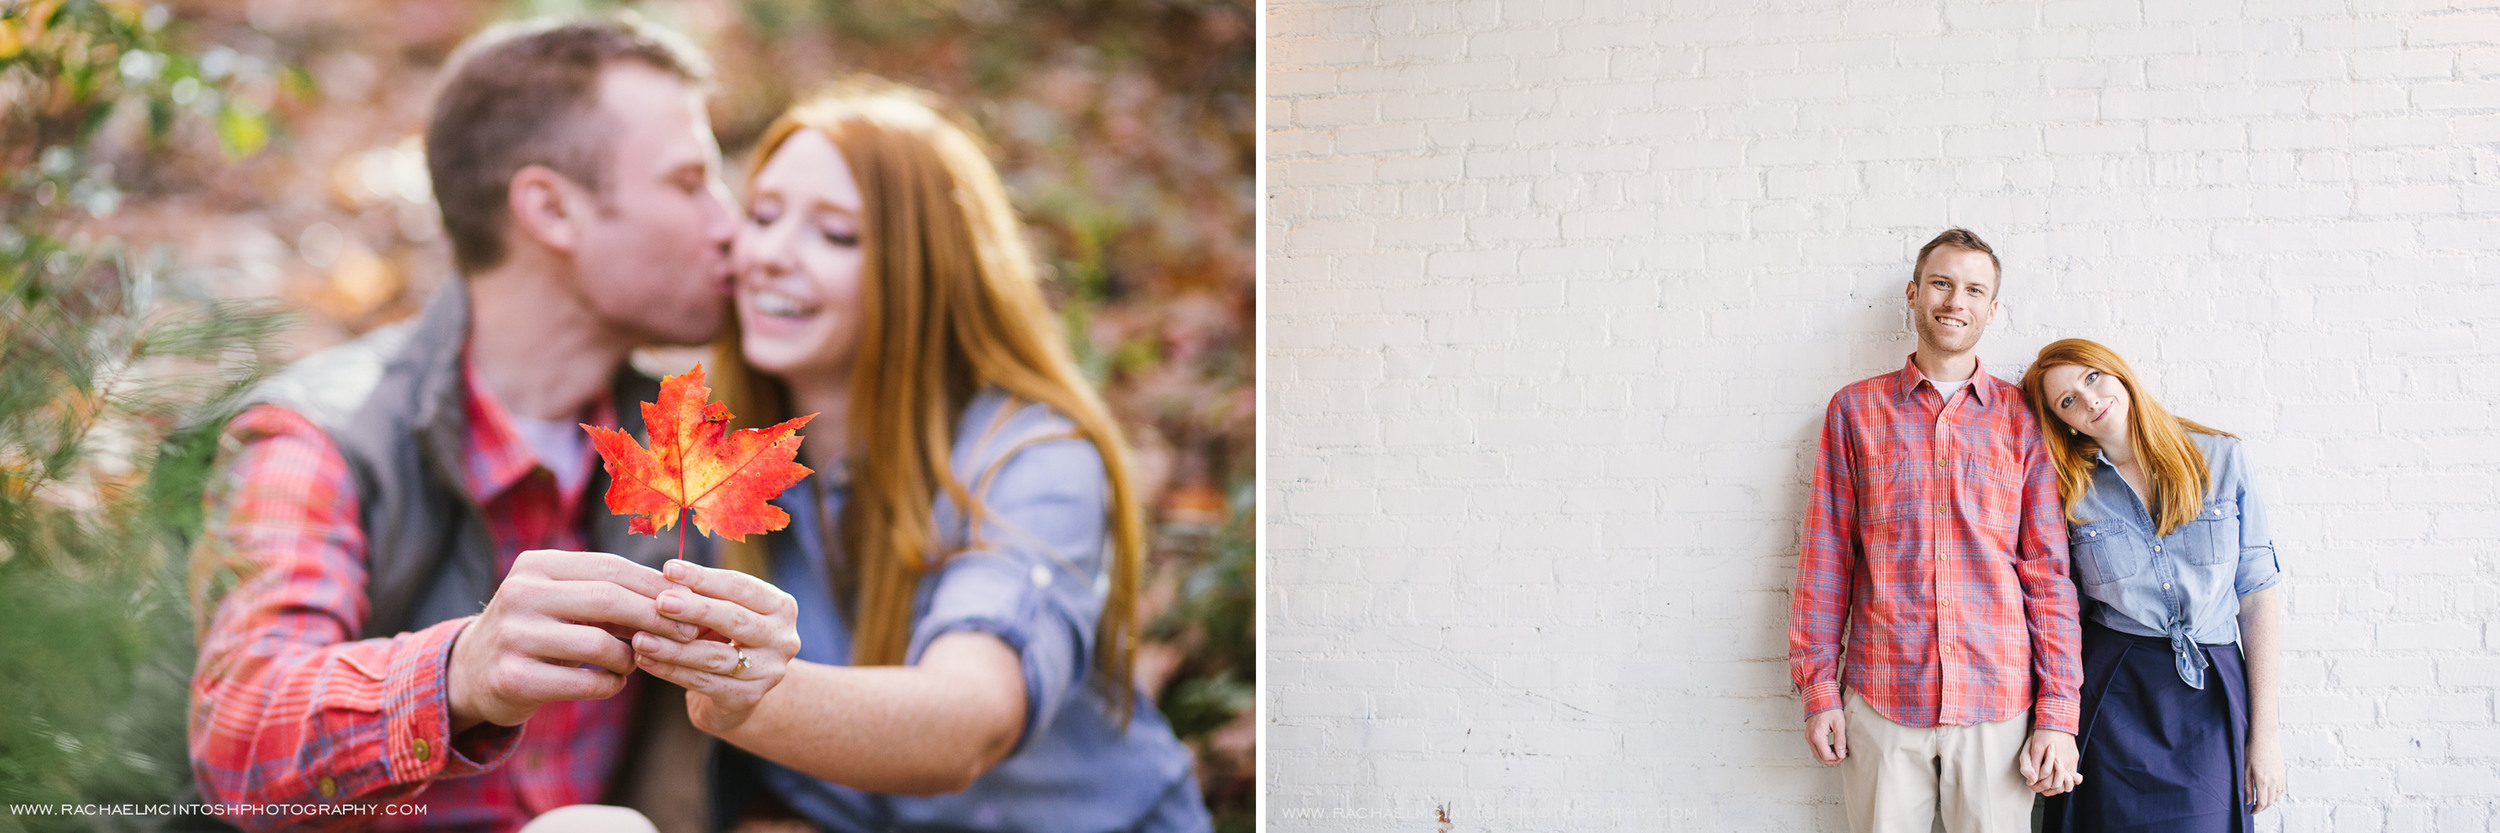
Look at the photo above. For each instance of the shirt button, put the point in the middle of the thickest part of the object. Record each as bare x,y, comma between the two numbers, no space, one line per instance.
1943,509
424,749
1041,576
2165,585
2157,548
329,788
1943,463
1948,649
1948,603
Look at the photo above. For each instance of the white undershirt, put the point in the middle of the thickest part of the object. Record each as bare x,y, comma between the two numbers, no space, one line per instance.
1948,388
558,444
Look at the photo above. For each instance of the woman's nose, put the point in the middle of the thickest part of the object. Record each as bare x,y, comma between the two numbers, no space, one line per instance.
766,248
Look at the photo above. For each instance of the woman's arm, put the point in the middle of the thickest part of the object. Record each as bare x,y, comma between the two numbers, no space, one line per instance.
1001,645
917,730
2258,642
920,729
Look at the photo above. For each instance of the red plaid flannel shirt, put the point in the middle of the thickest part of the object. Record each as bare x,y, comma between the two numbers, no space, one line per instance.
288,707
1934,534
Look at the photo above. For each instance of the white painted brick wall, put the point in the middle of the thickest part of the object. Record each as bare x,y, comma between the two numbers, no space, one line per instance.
1558,289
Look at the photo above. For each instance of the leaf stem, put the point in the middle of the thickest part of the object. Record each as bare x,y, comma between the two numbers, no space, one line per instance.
681,532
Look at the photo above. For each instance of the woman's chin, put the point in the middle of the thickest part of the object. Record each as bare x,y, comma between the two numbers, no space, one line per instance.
778,363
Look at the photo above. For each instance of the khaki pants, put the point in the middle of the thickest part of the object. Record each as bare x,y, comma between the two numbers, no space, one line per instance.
1903,780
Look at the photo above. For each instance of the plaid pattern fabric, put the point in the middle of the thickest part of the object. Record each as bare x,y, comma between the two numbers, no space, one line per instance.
1935,537
287,706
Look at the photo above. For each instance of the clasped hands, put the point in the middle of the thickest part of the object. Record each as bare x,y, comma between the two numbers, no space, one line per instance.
2046,761
573,625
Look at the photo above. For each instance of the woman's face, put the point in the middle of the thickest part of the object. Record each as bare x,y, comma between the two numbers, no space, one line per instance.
2088,400
798,263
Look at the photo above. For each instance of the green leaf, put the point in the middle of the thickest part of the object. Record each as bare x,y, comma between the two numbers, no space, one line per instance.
242,130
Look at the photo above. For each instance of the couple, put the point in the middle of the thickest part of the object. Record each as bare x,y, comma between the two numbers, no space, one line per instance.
418,609
1944,506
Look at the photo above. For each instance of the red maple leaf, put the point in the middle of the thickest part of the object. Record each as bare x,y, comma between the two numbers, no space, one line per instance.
695,464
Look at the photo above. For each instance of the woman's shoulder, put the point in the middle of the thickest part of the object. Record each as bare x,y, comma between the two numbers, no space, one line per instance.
999,428
2226,462
2215,446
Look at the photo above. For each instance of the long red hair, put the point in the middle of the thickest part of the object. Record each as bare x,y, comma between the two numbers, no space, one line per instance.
2174,468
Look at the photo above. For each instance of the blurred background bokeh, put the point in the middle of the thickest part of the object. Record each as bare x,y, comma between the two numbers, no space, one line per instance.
193,193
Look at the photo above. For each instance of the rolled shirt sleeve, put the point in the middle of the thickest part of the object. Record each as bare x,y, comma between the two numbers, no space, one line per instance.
1031,567
2258,566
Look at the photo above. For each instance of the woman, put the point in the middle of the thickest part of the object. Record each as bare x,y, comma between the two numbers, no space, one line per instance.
964,562
2173,557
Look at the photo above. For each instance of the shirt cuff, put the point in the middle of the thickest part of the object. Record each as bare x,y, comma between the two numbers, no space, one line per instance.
2269,581
417,698
1822,696
1037,682
2057,714
2267,573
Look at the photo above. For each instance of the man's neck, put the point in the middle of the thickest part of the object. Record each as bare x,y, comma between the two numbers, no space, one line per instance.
535,346
1940,366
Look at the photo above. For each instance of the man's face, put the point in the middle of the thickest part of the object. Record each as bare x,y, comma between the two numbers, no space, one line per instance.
652,257
1953,298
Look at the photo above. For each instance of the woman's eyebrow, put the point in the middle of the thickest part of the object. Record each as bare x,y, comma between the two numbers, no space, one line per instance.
821,205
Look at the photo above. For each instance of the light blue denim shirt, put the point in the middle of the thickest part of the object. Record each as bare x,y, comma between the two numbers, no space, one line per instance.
2185,586
1034,575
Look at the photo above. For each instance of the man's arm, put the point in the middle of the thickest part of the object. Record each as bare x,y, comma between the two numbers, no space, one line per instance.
2047,761
285,709
286,706
1819,605
2049,601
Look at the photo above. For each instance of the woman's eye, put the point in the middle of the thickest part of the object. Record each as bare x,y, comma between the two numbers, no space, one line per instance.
842,238
2062,403
2094,376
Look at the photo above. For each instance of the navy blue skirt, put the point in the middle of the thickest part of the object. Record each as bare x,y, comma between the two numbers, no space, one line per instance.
2158,756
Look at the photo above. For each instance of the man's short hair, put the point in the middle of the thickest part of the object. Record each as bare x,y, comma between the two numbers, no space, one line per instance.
1960,238
527,93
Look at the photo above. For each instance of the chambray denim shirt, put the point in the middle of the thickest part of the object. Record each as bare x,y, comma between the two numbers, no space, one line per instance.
2185,586
1035,576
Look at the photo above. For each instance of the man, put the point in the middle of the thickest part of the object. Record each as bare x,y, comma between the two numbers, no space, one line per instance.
1934,536
420,559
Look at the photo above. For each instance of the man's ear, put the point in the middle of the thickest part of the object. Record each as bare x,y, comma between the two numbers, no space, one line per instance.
544,205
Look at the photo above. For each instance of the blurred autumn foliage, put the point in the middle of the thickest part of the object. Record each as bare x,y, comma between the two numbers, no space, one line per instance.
219,154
